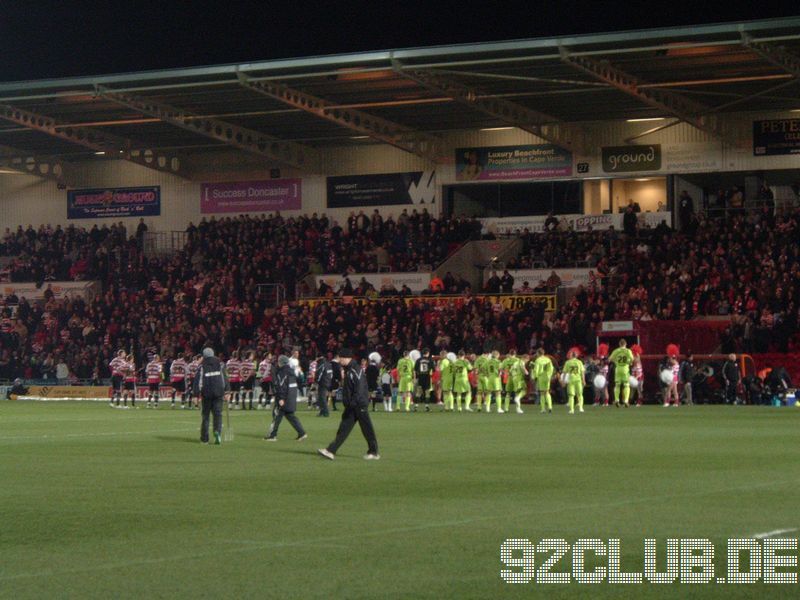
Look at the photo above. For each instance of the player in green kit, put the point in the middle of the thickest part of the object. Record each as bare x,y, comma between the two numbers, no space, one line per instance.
461,386
446,379
576,379
622,358
515,382
543,373
481,366
493,382
405,376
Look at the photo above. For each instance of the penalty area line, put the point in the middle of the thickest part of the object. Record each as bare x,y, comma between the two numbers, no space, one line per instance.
773,533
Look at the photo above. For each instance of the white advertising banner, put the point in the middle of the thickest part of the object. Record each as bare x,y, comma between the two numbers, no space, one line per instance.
60,289
535,224
416,282
569,277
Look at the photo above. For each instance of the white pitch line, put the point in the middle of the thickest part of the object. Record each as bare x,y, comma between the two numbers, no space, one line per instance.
769,534
47,436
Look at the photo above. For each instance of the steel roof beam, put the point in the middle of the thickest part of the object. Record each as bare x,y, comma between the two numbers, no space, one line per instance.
763,28
674,104
99,141
249,140
46,167
400,136
778,56
539,124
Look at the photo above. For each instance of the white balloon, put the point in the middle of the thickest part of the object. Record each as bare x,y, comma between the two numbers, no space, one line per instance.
666,377
599,382
451,356
414,355
375,357
634,383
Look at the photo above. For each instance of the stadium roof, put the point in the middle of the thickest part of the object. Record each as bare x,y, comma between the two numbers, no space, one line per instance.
410,96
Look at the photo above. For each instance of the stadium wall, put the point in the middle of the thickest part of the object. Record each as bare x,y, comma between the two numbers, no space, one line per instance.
25,199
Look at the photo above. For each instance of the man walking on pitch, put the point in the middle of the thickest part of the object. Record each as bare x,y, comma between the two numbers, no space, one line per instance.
210,384
622,358
576,379
543,374
355,398
285,401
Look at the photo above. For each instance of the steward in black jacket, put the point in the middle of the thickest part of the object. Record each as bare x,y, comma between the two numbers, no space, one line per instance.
355,397
285,382
210,384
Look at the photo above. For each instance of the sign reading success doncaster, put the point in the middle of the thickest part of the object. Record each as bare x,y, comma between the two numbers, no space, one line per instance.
538,161
776,136
114,203
251,196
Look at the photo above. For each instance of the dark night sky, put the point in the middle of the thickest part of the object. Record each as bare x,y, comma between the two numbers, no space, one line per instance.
45,38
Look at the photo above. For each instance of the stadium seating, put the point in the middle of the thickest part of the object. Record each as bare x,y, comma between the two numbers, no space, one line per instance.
743,266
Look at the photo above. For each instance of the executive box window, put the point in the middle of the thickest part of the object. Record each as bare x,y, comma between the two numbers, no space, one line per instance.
514,199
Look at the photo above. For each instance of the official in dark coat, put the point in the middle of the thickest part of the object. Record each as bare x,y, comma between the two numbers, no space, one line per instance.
731,375
324,384
285,401
210,384
355,398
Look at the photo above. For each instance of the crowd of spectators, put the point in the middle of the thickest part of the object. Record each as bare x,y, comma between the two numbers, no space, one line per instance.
746,267
207,291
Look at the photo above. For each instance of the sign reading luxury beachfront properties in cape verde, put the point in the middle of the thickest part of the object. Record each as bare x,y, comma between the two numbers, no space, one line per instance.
536,161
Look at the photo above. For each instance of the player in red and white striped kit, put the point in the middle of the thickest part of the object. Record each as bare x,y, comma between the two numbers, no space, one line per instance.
638,372
248,374
130,381
264,375
155,373
193,368
117,366
177,379
234,369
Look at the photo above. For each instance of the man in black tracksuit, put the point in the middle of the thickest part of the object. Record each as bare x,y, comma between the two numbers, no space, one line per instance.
324,383
731,376
285,401
355,398
211,383
423,369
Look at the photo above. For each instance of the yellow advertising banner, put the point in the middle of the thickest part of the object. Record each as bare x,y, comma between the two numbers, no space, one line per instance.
508,302
68,391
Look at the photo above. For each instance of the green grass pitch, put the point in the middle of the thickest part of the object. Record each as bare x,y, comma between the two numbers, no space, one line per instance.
104,503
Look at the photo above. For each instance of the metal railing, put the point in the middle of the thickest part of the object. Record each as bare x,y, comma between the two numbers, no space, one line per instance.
163,243
273,293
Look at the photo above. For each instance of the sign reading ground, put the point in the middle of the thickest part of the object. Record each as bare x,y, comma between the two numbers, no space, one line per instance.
630,159
113,203
418,187
251,196
776,136
538,161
